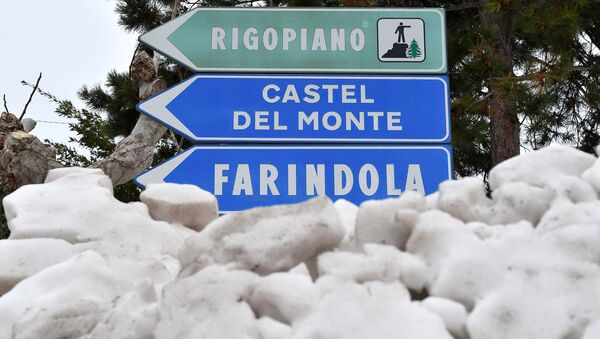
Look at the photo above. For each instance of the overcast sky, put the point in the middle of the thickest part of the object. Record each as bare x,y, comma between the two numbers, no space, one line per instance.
72,42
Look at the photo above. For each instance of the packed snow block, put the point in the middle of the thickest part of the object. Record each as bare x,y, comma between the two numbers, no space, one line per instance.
522,312
266,239
378,263
520,286
466,200
133,315
347,212
208,304
376,223
271,329
77,205
373,310
579,242
452,313
68,299
20,259
436,237
188,205
564,212
556,167
284,297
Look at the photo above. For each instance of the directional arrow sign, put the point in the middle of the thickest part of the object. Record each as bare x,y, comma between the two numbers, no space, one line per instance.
305,40
315,108
248,176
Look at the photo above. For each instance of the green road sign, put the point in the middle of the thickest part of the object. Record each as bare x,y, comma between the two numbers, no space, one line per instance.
305,40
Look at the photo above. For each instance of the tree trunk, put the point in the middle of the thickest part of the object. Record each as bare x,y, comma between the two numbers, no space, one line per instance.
135,153
504,122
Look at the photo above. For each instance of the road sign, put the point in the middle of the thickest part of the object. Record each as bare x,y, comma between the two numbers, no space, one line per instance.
248,176
288,108
305,40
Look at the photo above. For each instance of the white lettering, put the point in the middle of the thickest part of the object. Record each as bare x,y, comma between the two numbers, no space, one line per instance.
289,35
315,179
251,39
319,40
391,181
393,118
357,39
266,96
270,38
341,171
313,118
236,120
414,180
268,175
217,38
220,178
243,181
371,171
338,39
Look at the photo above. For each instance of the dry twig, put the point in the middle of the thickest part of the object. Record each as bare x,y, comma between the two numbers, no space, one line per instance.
37,83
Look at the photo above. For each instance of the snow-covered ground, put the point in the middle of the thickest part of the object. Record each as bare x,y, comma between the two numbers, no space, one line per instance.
524,263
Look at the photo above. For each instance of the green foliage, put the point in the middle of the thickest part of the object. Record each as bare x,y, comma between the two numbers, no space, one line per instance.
118,102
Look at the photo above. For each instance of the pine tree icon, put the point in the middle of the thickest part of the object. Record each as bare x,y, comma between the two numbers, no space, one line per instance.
414,51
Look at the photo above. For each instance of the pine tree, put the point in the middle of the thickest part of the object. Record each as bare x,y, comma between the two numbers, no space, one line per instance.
414,51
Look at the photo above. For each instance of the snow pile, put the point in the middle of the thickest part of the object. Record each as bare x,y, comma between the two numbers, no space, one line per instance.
521,263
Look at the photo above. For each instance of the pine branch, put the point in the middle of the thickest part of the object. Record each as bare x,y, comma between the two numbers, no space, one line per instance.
37,83
463,6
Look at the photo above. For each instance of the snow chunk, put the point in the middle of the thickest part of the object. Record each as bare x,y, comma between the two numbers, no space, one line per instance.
187,205
376,223
347,212
208,304
271,329
452,313
520,286
69,298
564,212
379,263
20,259
134,315
266,239
373,310
88,216
284,297
466,200
436,236
556,167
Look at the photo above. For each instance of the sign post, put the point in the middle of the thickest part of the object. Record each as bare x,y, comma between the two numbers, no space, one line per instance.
307,108
248,176
339,40
354,137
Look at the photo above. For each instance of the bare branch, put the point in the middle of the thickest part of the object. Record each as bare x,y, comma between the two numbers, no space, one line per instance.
5,106
37,83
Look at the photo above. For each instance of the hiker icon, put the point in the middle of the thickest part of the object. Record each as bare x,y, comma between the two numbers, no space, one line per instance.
400,30
401,39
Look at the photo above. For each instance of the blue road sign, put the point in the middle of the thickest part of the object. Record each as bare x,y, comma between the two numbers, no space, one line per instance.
306,108
248,176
